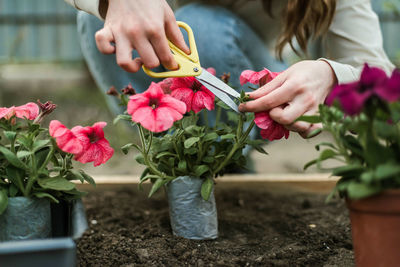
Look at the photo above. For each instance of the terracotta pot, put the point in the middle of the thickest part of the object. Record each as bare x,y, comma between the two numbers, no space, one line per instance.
375,227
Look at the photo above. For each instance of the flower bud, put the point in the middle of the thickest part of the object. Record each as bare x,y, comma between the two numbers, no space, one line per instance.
129,90
112,91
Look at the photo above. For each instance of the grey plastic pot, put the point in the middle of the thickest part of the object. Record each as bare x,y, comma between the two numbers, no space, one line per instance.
25,219
50,252
191,216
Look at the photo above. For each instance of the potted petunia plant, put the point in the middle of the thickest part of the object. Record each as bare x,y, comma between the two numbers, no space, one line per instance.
363,118
36,167
185,149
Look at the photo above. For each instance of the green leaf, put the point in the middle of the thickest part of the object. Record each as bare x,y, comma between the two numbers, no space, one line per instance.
194,130
208,159
348,171
232,116
25,141
12,158
125,148
260,149
310,118
227,136
16,176
327,154
387,171
3,201
23,153
10,135
165,153
56,183
122,117
140,159
41,156
314,133
77,175
199,170
39,144
45,195
358,190
210,137
309,164
188,121
223,105
12,190
191,141
159,182
182,165
318,146
88,178
206,188
191,151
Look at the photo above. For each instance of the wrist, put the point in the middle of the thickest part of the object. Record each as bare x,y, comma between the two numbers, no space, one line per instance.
329,74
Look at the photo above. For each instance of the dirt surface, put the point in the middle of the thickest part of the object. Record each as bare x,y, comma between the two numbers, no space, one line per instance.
259,225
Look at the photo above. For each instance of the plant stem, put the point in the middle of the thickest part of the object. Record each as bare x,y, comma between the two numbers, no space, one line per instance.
218,116
205,117
33,177
146,155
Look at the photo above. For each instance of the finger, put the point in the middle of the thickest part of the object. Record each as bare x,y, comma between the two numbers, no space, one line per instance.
174,34
124,56
103,38
269,87
289,113
163,52
277,97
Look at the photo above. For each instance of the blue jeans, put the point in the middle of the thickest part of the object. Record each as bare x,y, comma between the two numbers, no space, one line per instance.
224,41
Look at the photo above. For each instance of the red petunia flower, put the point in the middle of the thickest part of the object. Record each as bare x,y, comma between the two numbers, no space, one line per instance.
270,129
65,139
195,95
86,143
155,110
96,148
258,78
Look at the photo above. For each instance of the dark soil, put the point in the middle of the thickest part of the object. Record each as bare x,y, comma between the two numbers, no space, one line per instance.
259,225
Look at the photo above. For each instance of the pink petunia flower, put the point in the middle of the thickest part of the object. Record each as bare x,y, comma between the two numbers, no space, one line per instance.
258,78
270,129
96,148
29,111
195,95
7,113
66,140
155,110
352,96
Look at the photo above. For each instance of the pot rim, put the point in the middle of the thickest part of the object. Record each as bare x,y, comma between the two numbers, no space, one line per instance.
384,203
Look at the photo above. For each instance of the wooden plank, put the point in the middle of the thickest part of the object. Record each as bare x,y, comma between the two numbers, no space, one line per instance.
245,178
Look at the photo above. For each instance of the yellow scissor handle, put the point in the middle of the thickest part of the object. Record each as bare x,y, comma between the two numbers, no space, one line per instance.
189,65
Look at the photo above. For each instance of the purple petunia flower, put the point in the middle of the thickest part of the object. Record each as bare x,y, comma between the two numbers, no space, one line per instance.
352,96
390,91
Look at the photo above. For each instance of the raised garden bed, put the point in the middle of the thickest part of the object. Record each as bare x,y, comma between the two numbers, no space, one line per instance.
260,224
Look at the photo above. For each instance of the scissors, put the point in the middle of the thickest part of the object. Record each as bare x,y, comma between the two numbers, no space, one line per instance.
189,66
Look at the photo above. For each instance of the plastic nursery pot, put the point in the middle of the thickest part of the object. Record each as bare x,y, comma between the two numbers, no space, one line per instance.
191,216
25,218
375,227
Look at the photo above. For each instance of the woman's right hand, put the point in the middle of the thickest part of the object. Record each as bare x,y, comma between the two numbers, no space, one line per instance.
143,25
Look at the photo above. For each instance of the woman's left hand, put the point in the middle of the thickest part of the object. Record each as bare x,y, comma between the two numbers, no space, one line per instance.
296,91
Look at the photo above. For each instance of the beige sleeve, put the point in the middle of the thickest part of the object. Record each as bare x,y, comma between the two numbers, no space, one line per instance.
355,38
94,7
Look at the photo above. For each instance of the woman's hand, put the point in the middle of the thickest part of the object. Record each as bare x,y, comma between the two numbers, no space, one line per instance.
143,25
296,91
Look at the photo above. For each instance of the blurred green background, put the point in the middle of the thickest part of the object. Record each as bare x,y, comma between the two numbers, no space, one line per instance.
40,58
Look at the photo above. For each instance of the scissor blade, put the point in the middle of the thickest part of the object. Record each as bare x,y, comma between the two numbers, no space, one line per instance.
217,83
208,80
